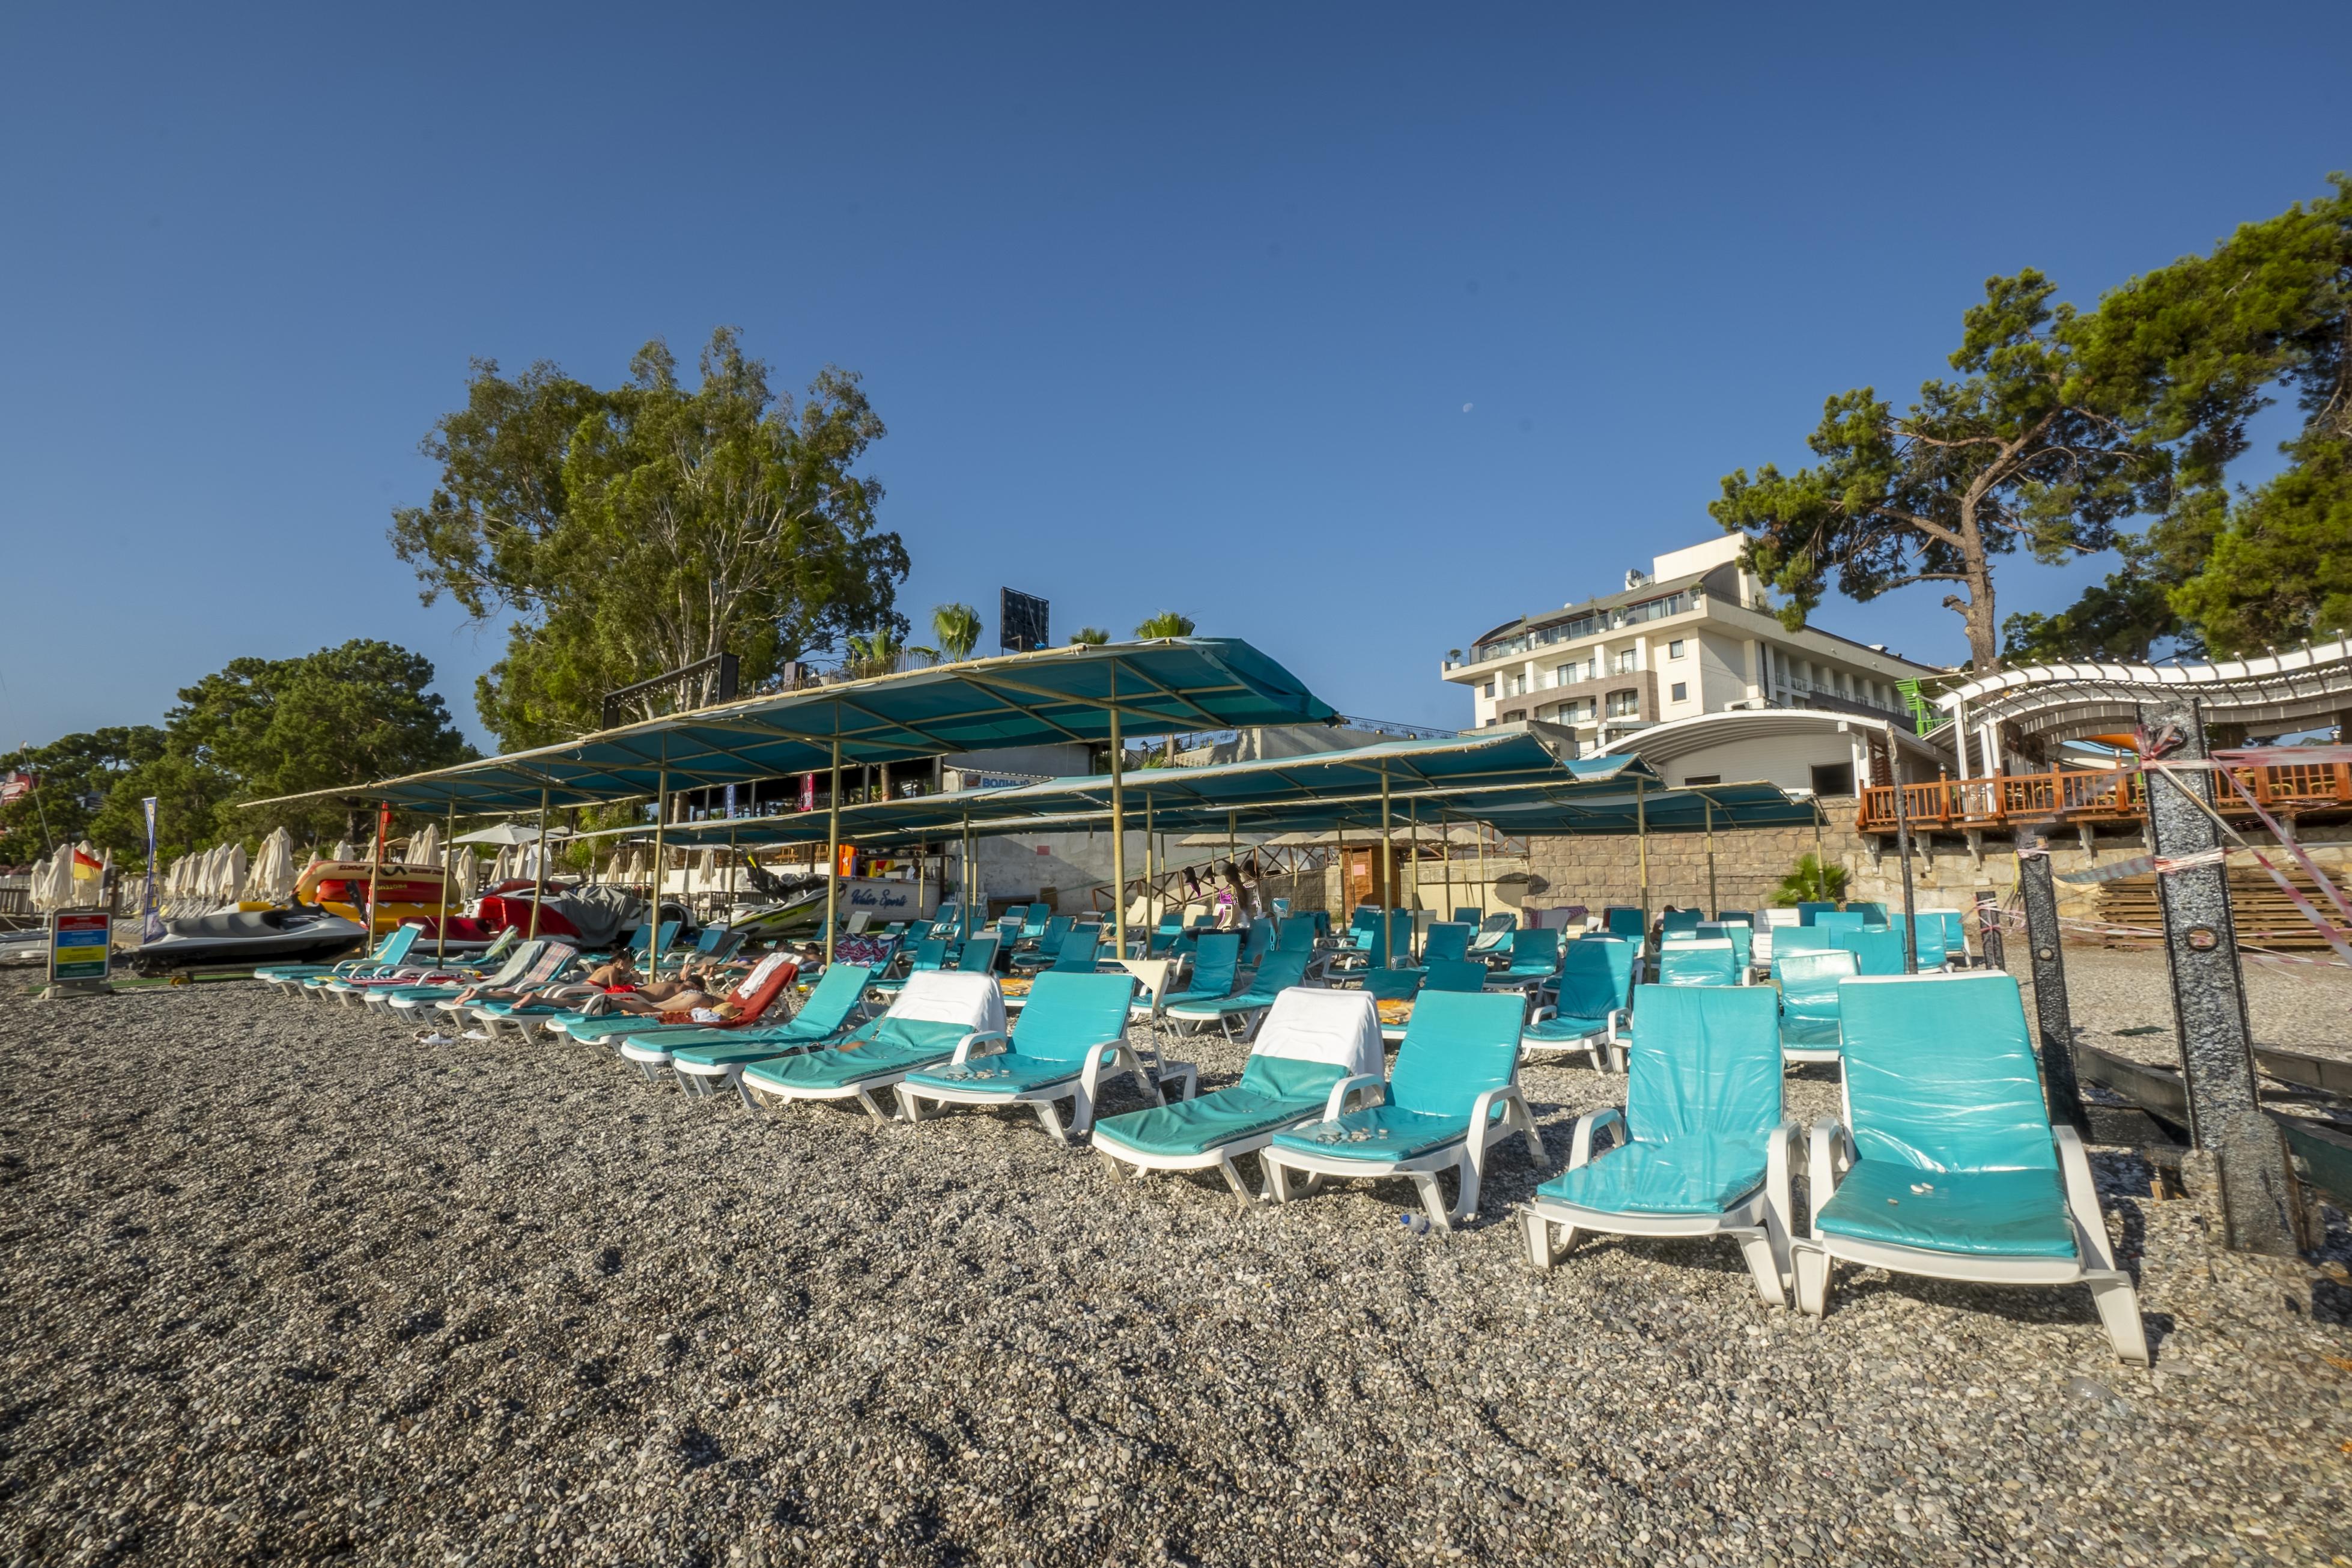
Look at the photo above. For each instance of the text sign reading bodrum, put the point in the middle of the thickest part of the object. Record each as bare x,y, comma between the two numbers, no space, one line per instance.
80,944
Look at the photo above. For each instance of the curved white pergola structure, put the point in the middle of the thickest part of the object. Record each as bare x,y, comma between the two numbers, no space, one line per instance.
2072,701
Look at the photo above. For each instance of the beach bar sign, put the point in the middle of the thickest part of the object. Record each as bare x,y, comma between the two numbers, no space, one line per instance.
81,946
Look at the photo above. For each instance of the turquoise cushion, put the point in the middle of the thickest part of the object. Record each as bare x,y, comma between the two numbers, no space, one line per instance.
1379,1133
1940,1074
732,1052
1006,1072
1459,1045
1262,1101
1564,1027
1689,1175
896,1046
1980,1214
1596,976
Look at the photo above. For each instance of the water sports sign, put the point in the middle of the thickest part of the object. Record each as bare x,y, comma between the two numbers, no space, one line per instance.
80,944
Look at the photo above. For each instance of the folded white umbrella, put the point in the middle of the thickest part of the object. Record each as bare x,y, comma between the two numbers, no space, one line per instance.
271,879
510,832
425,850
466,875
343,851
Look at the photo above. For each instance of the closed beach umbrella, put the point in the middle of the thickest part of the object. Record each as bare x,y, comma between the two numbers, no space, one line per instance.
425,850
232,881
271,879
466,875
343,850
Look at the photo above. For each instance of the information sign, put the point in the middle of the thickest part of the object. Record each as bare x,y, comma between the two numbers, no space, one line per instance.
81,944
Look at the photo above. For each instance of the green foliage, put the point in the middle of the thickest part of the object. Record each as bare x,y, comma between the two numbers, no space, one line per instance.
2122,618
1815,881
1090,637
1166,624
875,653
259,728
958,628
77,773
626,531
2025,447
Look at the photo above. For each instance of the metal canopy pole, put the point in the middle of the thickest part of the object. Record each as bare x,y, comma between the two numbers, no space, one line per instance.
1152,869
1388,877
833,840
1902,850
441,920
2050,1004
539,884
922,871
375,861
730,875
1642,848
1233,868
964,914
2261,1210
1714,904
661,822
1445,838
1118,820
1482,875
1412,859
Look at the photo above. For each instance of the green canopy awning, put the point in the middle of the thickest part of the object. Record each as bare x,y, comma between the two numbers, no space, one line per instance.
1057,695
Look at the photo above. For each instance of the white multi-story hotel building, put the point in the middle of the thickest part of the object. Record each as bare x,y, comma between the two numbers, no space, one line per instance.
1689,638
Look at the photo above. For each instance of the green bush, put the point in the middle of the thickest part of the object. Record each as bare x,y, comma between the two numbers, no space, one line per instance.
1815,881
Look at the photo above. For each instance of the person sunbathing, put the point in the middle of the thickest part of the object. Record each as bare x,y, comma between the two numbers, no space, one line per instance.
700,986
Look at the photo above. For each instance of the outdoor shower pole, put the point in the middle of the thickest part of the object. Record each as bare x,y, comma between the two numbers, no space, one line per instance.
2262,1211
1902,850
832,838
441,920
661,821
1117,821
538,882
2050,1007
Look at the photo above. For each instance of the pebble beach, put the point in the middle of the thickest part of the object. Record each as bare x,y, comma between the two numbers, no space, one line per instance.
282,1284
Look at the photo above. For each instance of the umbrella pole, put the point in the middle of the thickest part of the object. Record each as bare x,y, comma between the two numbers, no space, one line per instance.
1388,877
376,860
539,885
963,916
1117,819
1714,908
1150,880
833,841
1413,858
441,921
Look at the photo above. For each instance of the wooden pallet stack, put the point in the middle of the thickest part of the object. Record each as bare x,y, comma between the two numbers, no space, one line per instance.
2263,915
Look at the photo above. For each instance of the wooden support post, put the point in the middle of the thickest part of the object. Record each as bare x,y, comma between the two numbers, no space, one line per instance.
833,839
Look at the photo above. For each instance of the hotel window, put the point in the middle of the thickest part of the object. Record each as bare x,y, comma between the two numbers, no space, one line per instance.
1579,711
1681,691
1488,689
1562,674
1674,648
1625,660
1624,704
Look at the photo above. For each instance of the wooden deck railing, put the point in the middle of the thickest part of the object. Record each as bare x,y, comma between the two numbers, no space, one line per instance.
2080,795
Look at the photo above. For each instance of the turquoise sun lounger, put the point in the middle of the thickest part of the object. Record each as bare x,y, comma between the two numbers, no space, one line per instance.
937,1011
1455,1090
1070,1037
1593,1000
701,1059
1311,1043
1703,1145
1947,1164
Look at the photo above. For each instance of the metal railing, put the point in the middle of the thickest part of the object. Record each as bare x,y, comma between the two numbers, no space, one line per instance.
2080,795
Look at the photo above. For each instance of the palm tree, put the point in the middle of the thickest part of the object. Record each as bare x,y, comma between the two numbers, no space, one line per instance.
958,628
1166,624
876,653
1091,637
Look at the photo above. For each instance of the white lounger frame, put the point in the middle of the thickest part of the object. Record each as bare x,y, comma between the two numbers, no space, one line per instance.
1833,1154
1603,1045
1105,1059
1466,1156
1761,1222
1220,1157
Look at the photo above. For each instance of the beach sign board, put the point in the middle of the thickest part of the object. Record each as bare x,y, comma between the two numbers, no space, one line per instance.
81,945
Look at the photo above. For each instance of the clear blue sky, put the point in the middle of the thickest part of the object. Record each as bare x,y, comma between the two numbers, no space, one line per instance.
1351,330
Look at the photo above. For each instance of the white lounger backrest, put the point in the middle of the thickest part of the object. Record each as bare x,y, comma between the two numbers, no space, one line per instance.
1308,1024
952,996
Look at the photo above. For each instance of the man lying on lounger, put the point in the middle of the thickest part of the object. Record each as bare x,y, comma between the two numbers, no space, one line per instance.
701,987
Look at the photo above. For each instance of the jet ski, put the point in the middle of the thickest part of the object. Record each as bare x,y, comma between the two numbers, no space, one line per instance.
228,938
